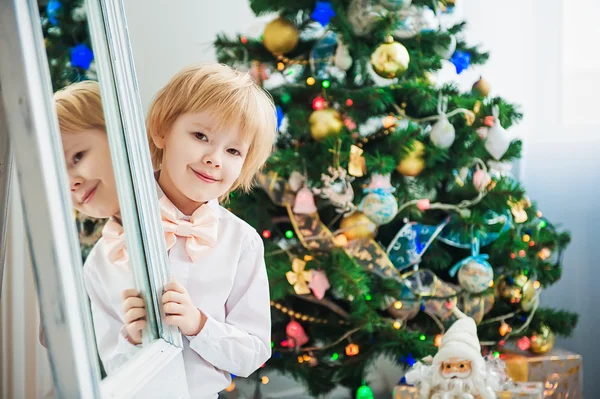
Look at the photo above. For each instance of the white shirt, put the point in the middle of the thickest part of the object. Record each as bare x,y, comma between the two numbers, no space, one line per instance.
229,286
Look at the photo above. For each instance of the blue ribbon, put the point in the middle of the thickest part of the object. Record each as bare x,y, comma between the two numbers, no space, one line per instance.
475,256
379,190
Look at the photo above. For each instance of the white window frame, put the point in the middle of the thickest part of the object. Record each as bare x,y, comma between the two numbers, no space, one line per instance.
29,125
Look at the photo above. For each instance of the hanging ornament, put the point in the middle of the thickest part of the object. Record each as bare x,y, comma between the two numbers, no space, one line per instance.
518,209
395,5
325,123
296,334
363,14
299,277
259,72
81,56
497,141
413,163
280,36
319,283
461,60
52,10
318,103
323,13
296,181
406,24
481,179
390,59
352,350
447,48
411,242
358,227
482,87
342,59
304,204
518,290
280,115
379,204
337,188
357,165
442,133
542,341
321,55
364,392
475,274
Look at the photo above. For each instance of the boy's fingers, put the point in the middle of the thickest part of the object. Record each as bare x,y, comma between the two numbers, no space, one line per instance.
130,292
134,314
174,320
172,296
175,286
137,325
132,302
173,308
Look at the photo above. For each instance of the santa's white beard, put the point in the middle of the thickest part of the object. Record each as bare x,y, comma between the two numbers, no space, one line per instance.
460,388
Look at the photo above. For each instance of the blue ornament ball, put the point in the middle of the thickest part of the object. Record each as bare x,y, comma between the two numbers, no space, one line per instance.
81,56
475,276
379,206
461,60
52,10
323,12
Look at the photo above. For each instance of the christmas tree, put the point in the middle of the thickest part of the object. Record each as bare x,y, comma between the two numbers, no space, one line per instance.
389,198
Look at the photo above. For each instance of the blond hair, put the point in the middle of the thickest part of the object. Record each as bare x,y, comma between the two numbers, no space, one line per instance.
232,98
79,107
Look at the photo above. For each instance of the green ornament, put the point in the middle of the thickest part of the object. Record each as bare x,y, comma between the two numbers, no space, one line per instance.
364,392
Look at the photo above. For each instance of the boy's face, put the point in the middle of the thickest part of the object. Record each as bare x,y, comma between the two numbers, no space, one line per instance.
91,178
199,163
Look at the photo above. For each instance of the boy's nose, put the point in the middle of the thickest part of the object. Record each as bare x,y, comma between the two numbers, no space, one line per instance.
76,182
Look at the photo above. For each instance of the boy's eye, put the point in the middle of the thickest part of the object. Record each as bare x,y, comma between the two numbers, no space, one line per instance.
77,157
200,136
233,151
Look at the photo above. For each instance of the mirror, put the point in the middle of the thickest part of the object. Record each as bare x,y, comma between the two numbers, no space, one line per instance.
96,163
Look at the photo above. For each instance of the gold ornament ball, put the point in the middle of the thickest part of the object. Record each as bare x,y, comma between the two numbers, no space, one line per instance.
413,163
542,341
280,36
482,87
325,122
358,226
521,291
390,59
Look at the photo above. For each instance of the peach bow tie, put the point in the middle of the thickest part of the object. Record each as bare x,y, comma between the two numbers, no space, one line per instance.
200,231
115,245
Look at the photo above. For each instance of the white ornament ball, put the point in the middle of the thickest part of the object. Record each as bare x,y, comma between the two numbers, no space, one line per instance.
379,207
442,133
446,51
475,277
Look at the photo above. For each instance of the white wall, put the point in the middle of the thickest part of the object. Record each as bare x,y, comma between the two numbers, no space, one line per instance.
543,56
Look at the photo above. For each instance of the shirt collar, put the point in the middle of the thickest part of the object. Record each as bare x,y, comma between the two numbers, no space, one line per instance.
213,204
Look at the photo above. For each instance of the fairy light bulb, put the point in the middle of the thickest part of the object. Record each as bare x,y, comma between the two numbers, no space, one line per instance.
397,324
389,121
438,340
349,102
289,234
526,238
266,234
265,380
326,84
231,387
504,329
318,103
280,66
398,305
537,285
310,81
522,253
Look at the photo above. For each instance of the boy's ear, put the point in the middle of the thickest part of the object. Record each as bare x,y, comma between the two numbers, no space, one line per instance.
159,140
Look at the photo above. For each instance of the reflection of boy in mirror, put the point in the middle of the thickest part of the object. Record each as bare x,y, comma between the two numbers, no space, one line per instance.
210,130
94,194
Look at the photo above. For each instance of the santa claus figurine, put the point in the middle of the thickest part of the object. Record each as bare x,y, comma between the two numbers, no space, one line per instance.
457,371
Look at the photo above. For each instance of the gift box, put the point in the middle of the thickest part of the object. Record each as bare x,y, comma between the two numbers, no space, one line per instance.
560,371
405,392
522,390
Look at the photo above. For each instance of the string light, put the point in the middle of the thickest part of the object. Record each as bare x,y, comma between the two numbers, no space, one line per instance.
422,337
310,81
352,350
397,325
266,234
231,387
539,214
526,238
438,340
543,224
289,234
504,329
513,256
335,356
544,253
286,98
280,66
349,102
368,297
318,103
532,243
389,121
537,285
496,355
301,316
244,39
265,380
398,305
326,84
308,258
522,253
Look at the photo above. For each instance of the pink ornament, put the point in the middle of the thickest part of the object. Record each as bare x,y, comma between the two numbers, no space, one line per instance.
423,204
319,283
481,179
305,202
380,181
296,333
524,343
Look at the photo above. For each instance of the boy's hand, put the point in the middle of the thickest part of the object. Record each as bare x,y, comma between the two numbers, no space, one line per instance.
180,311
135,314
